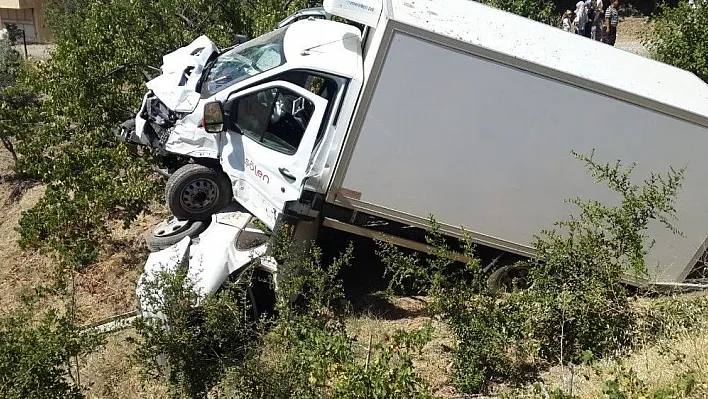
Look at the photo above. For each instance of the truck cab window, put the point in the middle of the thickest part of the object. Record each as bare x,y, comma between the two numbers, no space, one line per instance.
244,61
323,86
276,118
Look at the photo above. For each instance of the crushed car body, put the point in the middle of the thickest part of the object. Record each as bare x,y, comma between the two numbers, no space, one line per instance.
225,248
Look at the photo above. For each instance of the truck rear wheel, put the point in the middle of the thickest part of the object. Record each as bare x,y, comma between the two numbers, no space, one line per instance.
195,192
506,278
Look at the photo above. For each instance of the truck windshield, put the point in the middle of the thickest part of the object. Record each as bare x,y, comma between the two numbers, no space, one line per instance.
249,59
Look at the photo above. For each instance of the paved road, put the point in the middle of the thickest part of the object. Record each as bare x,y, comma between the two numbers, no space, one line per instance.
40,51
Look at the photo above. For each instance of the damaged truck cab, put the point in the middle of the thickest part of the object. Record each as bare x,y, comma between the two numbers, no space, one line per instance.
278,99
278,108
267,117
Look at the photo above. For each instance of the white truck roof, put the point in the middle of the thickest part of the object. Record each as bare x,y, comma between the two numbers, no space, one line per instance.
635,78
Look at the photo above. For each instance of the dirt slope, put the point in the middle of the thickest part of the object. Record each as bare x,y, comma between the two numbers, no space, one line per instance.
104,289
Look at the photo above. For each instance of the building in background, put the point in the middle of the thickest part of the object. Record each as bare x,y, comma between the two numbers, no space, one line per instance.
27,15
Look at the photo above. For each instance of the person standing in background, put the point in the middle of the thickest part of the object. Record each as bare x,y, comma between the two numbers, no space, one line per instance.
590,10
596,32
581,17
565,23
611,22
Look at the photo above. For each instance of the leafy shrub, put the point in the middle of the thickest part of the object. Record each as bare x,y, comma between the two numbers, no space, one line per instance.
577,276
36,354
318,354
303,351
18,103
538,10
625,383
677,34
10,63
195,344
14,33
575,304
18,111
323,364
490,330
263,15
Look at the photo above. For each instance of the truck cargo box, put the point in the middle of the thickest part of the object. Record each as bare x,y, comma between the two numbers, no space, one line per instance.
470,114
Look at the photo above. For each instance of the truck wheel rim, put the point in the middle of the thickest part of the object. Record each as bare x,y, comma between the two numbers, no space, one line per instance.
170,226
199,194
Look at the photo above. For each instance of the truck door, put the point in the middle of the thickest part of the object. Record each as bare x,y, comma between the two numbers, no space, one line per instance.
271,132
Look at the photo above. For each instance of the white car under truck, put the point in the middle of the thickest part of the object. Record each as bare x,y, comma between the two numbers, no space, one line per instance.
445,108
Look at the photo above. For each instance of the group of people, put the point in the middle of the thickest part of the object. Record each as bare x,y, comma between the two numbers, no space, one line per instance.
592,21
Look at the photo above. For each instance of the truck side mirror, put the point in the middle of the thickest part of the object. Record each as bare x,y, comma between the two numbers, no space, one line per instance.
213,119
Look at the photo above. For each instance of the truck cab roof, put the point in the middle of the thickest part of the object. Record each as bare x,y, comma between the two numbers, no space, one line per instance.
553,52
327,45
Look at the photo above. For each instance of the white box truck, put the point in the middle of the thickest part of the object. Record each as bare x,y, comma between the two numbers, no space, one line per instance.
445,108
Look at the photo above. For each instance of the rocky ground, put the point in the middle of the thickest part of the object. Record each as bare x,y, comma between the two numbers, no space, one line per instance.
629,36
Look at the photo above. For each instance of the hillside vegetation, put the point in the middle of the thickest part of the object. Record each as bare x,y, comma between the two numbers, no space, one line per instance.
76,203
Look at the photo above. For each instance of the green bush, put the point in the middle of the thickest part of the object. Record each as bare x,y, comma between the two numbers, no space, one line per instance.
576,303
193,343
577,276
318,354
262,15
38,354
18,103
10,63
322,363
677,36
490,330
538,10
14,34
302,351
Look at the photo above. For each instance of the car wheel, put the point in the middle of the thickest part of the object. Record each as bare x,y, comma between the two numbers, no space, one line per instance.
171,231
506,278
195,192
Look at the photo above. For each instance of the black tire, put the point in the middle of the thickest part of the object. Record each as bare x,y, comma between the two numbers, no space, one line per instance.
259,292
171,231
263,297
502,279
195,192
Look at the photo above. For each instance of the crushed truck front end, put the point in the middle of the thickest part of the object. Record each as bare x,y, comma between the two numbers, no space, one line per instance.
286,99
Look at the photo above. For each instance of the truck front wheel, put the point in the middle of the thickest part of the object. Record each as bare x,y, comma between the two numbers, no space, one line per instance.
195,192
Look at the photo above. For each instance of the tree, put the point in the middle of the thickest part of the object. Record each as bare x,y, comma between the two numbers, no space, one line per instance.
90,85
538,10
17,102
677,36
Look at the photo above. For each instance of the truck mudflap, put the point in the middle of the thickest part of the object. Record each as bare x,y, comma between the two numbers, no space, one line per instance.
227,247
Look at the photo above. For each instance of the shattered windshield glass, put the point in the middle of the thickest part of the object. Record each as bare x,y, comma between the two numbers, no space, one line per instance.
249,59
